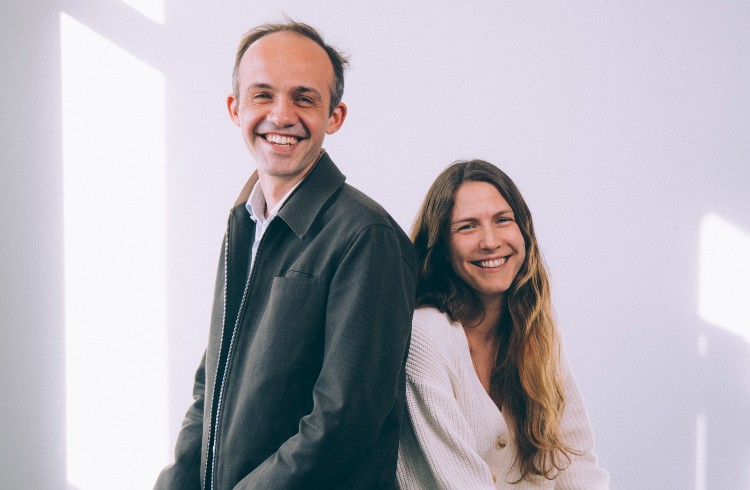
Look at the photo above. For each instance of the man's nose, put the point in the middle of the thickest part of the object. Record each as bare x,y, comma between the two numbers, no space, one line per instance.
282,113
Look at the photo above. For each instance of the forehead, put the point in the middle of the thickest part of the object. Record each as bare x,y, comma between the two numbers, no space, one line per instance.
473,199
286,59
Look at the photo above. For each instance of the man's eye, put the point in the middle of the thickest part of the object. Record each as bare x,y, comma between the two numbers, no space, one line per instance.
261,96
305,101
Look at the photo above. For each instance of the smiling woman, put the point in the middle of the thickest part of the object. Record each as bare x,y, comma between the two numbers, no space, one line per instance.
486,244
491,404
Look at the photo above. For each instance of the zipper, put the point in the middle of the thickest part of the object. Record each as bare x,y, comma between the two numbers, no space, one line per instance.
209,463
213,428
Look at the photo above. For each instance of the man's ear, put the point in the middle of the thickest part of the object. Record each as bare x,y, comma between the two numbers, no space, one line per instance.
337,118
234,113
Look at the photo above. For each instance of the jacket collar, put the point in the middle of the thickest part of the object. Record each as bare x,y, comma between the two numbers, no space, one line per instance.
308,199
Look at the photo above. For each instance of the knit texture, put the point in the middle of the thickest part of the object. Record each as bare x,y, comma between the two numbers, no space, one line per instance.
455,437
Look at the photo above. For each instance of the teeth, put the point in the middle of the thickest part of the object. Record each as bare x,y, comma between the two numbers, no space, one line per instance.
278,139
492,263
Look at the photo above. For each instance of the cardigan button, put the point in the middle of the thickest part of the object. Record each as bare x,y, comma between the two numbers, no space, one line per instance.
501,443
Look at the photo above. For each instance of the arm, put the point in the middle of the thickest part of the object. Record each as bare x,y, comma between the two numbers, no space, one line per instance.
358,396
438,448
184,473
584,470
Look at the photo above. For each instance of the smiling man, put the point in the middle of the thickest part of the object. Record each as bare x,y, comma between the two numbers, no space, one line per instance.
302,383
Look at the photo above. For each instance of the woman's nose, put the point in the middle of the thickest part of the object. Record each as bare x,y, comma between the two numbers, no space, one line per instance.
489,238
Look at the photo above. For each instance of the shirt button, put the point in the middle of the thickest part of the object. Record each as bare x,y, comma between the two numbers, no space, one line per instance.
501,443
494,479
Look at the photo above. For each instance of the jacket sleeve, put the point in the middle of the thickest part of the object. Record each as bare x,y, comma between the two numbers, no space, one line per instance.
184,473
368,322
584,470
438,446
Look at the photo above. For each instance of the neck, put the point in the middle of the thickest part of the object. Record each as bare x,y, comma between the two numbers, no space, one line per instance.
485,332
483,342
274,189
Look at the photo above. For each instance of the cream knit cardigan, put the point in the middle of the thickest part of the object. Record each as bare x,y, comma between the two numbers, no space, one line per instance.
456,438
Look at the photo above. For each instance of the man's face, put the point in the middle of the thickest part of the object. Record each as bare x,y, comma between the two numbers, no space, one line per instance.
285,82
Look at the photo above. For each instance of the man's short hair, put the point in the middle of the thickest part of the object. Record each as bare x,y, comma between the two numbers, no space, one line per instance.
338,59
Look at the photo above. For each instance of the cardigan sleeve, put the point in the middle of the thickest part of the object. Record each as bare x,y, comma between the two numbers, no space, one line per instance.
438,446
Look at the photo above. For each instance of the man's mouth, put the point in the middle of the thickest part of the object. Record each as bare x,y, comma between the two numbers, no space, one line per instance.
280,140
490,264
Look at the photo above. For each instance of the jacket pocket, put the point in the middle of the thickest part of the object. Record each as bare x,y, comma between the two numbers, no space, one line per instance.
292,325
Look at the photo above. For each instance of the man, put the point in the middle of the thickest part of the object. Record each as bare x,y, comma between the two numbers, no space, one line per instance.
302,383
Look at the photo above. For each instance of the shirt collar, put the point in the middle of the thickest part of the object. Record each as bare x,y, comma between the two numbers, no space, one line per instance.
320,184
256,204
256,201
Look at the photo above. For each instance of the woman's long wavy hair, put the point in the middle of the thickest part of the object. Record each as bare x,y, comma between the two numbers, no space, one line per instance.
526,380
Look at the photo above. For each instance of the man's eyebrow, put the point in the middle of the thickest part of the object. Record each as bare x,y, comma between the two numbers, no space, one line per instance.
307,90
258,85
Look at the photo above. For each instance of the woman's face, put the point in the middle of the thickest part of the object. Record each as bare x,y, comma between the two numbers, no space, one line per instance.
486,245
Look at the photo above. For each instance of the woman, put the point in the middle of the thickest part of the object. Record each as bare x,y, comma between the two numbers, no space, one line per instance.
490,403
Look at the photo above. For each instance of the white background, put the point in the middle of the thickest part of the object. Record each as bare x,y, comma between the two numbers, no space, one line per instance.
623,123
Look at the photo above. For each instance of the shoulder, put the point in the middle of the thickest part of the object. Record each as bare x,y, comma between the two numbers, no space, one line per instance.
324,203
429,322
359,207
435,343
356,215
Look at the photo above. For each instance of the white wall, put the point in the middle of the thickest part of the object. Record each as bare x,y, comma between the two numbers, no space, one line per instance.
623,123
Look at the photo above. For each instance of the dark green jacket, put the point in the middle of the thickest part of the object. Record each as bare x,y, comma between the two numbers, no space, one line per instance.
302,384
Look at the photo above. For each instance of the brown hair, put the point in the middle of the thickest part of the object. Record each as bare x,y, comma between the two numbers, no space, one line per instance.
338,59
526,378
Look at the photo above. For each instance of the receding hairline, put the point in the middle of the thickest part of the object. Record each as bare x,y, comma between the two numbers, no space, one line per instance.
288,33
293,34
